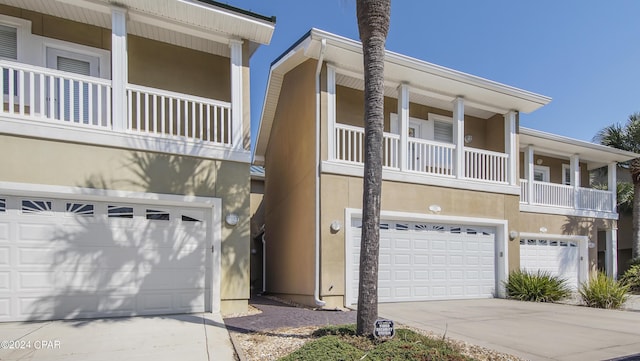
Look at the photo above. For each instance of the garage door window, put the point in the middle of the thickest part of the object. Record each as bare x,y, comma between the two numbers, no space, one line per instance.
80,209
36,207
3,205
119,212
157,215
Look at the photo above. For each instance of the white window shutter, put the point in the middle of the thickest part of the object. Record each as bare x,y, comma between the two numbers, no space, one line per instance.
8,42
443,132
73,66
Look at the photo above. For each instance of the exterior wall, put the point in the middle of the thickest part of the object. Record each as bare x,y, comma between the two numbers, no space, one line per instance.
555,169
625,244
340,192
165,66
565,225
290,188
151,63
350,111
57,163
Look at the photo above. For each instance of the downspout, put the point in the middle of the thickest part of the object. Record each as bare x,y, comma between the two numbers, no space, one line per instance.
316,291
264,265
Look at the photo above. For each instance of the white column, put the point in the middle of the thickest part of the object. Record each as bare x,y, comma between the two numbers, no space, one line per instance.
119,77
331,111
611,256
574,180
612,184
458,136
510,147
236,94
528,172
403,125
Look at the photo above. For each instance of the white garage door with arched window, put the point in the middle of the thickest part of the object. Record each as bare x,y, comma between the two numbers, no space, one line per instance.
559,255
430,257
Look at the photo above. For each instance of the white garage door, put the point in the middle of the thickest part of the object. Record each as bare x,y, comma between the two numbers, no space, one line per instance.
560,258
424,261
62,259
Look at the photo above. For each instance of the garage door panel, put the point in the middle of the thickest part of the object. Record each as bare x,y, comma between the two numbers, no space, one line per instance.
558,258
429,261
60,264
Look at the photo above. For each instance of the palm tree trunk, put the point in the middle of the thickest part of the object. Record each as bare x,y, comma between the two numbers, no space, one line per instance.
373,24
635,235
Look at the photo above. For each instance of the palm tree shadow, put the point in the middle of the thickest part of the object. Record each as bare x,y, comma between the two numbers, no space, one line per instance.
106,265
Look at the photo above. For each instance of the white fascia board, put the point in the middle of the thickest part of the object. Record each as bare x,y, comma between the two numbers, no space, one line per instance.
534,100
529,208
612,153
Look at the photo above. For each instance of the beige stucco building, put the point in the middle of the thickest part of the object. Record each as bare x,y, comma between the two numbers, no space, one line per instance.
467,196
125,183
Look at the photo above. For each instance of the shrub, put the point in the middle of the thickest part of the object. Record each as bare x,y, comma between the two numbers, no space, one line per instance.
603,292
631,278
327,348
537,287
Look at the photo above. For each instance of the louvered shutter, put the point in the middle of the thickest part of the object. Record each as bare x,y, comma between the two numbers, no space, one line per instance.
74,65
8,42
443,132
78,67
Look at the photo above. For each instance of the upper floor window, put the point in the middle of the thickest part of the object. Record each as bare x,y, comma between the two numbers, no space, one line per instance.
541,173
8,42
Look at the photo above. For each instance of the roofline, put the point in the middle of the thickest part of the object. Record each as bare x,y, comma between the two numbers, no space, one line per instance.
576,142
271,19
424,66
293,46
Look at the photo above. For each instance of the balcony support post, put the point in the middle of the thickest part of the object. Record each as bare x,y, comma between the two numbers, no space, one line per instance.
612,184
331,111
236,94
528,173
119,66
403,122
510,147
458,137
574,166
611,254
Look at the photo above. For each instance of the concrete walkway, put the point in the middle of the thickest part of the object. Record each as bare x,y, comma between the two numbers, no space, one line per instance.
529,330
190,337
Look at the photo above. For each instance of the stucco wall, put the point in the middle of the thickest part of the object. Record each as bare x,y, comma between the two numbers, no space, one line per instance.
290,186
340,192
57,163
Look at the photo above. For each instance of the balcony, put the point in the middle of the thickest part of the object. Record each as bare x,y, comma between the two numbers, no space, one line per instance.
567,197
59,98
425,157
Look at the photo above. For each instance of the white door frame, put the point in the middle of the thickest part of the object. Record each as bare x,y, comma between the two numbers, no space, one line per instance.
104,195
583,250
501,246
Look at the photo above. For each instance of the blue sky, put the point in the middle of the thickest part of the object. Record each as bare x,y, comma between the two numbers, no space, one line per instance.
585,54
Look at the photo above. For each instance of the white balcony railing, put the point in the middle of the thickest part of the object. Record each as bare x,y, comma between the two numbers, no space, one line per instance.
565,196
349,146
48,95
173,114
485,165
51,95
430,157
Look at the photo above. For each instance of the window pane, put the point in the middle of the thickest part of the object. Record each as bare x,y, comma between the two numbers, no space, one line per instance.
8,42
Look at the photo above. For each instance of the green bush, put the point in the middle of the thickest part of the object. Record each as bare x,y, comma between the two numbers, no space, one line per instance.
631,278
603,292
327,348
537,287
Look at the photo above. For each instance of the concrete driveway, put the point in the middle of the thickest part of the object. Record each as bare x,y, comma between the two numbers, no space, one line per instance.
191,337
529,330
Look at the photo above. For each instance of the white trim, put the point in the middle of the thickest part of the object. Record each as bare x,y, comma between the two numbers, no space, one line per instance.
511,146
23,32
209,203
611,254
612,184
583,241
236,94
567,211
566,167
93,136
53,53
501,247
529,172
546,173
119,61
72,50
403,131
458,137
331,111
357,170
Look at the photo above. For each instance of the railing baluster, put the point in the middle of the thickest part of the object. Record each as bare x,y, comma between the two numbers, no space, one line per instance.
154,103
163,116
42,97
11,91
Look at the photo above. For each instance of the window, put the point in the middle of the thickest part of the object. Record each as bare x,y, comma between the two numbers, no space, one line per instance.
541,173
80,209
34,207
153,214
119,212
3,205
75,95
443,131
566,174
9,50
